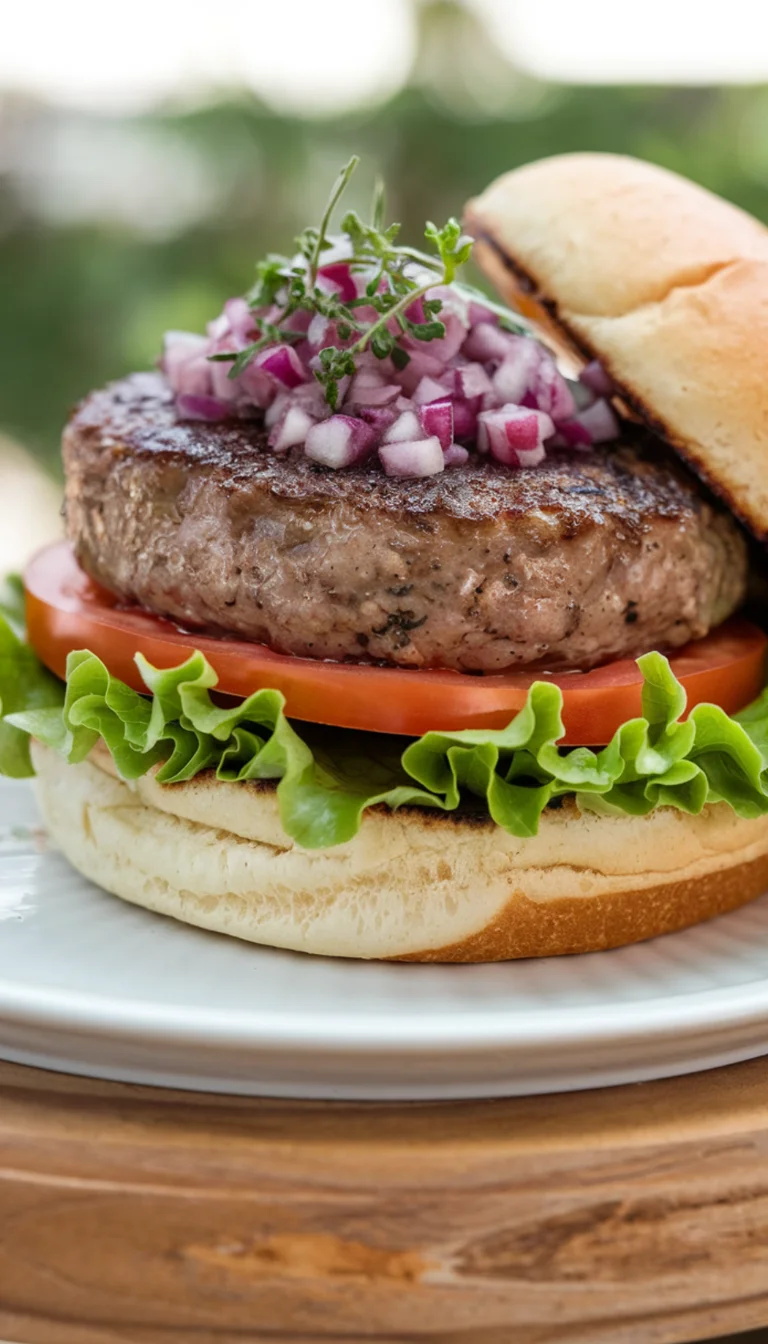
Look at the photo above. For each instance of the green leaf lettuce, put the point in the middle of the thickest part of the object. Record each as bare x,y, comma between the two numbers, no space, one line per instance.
328,777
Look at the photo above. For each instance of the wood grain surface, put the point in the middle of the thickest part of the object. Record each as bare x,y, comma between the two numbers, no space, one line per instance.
635,1215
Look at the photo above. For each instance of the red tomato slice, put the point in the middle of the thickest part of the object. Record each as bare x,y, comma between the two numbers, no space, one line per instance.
66,610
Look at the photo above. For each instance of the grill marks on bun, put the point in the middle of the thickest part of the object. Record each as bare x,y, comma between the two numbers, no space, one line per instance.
663,282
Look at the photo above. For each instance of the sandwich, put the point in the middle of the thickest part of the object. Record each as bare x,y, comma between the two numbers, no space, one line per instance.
397,622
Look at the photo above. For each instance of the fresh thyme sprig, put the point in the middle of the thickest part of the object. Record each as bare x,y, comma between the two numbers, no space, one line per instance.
399,277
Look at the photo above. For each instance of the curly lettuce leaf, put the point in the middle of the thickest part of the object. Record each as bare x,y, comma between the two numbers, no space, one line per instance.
24,683
326,778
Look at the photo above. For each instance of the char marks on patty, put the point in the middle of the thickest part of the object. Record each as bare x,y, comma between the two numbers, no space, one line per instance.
588,557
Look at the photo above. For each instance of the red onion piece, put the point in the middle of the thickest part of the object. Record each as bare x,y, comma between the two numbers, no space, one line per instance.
218,327
551,391
531,457
455,455
255,386
428,390
185,363
479,313
283,364
518,370
405,428
600,421
511,430
471,380
291,429
277,410
190,407
424,457
319,332
341,278
340,441
454,317
596,378
487,342
378,417
222,385
572,434
298,321
437,419
382,395
241,320
465,413
420,365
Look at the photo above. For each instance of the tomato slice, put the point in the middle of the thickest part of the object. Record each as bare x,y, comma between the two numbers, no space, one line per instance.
66,610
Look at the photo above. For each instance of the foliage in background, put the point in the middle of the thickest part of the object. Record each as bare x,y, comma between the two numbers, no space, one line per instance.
85,299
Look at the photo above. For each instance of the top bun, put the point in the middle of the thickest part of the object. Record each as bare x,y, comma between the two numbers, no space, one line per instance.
664,283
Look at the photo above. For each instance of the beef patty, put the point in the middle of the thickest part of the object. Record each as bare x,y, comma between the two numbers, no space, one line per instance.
585,558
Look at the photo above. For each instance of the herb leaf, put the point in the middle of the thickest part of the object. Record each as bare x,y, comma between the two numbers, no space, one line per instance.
390,305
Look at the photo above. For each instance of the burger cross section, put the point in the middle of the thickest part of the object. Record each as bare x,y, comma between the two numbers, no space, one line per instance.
369,611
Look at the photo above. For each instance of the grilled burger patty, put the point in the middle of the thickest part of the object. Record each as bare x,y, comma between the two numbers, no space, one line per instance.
585,558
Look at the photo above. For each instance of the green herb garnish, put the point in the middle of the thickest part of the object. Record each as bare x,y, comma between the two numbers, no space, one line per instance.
378,319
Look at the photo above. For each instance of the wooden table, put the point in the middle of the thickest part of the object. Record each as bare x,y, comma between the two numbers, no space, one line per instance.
136,1216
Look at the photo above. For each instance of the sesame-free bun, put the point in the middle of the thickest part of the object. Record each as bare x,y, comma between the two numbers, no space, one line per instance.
415,884
662,281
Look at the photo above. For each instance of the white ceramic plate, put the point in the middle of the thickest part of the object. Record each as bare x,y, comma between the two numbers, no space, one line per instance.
91,985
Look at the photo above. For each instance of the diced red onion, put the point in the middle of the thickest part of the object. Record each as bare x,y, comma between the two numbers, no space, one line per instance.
185,363
222,385
218,327
454,315
378,417
298,321
551,391
572,434
596,378
486,343
428,390
368,374
437,419
191,407
518,370
283,364
507,432
370,395
319,332
341,278
406,427
479,313
278,409
455,455
471,380
340,441
531,457
179,347
465,413
420,365
477,384
600,421
240,318
255,385
291,429
423,457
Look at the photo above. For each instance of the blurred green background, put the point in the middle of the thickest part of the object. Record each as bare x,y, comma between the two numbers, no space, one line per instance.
115,227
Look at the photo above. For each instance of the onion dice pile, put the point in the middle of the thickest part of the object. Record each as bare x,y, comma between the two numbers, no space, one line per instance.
478,388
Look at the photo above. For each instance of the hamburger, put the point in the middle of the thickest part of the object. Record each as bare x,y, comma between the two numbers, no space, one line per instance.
395,622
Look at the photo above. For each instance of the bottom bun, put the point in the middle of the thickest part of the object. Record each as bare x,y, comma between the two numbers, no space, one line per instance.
414,884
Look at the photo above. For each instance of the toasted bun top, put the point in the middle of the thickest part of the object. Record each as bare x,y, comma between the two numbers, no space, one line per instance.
662,281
